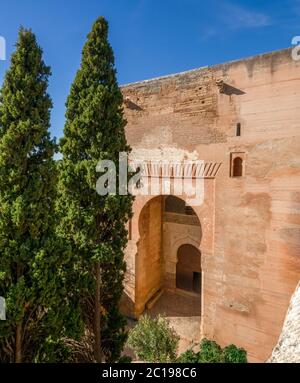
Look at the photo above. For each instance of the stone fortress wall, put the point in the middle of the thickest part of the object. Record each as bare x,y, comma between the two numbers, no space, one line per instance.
241,118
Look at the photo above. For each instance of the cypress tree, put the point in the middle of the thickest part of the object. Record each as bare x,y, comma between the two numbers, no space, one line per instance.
93,225
31,268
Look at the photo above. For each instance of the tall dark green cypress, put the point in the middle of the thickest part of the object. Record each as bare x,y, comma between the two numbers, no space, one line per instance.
93,225
31,268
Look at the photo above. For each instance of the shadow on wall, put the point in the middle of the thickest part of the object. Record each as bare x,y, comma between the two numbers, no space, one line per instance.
126,305
228,89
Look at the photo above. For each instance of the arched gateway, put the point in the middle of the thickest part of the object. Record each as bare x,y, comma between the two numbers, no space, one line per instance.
168,240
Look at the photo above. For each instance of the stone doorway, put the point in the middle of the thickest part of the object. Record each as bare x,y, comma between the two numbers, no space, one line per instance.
188,269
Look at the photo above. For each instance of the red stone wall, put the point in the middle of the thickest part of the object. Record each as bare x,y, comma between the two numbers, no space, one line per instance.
250,246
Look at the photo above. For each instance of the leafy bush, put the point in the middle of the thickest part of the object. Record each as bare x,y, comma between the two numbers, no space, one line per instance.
211,352
189,356
233,354
125,359
153,340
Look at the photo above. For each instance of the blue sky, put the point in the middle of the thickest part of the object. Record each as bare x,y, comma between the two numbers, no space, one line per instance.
150,38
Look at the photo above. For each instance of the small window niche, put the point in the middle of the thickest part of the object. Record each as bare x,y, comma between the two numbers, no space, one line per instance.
238,129
237,165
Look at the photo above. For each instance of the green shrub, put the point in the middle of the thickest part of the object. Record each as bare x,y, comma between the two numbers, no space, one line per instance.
233,354
189,356
153,340
210,352
125,359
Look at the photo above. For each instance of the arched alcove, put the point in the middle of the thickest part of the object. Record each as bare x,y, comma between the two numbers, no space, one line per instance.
237,170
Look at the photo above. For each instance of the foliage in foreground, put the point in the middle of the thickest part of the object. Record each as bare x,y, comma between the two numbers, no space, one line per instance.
93,225
31,265
153,340
233,354
211,352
